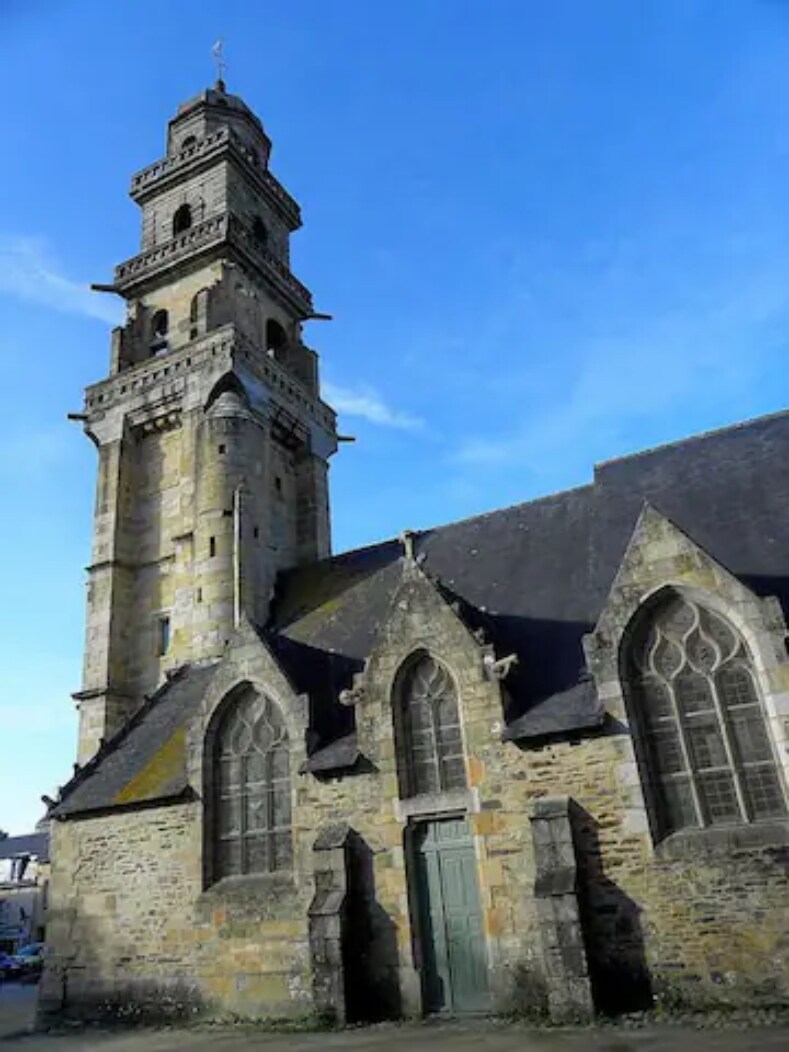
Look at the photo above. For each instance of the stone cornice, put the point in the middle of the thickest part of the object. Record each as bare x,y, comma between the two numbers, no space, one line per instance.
126,564
216,232
165,377
283,385
142,267
167,369
161,175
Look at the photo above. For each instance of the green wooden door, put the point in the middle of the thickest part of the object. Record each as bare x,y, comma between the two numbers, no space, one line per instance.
452,942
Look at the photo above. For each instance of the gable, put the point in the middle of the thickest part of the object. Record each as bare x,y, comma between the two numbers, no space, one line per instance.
539,572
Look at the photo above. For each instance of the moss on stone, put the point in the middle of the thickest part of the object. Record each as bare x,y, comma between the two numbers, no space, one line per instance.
159,773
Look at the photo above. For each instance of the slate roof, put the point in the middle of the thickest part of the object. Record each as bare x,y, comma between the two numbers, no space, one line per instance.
35,844
146,760
539,572
533,576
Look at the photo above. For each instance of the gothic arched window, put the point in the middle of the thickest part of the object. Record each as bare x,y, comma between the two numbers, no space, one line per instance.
251,777
700,728
430,743
182,219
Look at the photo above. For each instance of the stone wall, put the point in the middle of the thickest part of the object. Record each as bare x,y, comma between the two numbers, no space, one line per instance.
206,195
706,925
703,922
132,932
244,200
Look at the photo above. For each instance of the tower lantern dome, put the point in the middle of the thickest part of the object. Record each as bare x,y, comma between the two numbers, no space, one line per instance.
211,111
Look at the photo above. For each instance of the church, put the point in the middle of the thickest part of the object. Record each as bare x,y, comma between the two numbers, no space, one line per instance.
530,762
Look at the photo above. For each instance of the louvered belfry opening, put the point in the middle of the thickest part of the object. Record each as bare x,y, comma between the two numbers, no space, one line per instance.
252,803
700,726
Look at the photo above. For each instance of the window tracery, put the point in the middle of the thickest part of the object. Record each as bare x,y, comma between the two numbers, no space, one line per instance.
252,799
701,729
431,743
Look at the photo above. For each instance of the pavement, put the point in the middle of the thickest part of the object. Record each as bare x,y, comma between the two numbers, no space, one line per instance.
17,1008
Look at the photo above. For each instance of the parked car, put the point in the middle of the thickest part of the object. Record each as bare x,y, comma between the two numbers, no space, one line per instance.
29,961
9,968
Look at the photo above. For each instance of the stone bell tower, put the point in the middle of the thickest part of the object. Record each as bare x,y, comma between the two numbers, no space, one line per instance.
213,441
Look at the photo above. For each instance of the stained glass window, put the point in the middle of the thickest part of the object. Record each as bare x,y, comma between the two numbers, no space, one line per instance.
431,743
702,735
252,803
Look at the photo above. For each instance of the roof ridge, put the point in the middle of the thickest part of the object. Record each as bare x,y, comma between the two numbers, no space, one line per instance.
544,498
598,467
699,436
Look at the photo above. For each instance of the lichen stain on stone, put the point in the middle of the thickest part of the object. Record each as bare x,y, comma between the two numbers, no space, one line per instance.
318,593
320,613
159,773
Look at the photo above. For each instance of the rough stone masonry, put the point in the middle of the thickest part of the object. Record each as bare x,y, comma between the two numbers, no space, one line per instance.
534,761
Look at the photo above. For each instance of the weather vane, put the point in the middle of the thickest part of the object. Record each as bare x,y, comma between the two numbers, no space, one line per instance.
218,51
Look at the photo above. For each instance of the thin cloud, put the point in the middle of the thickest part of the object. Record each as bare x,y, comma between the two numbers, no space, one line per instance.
368,405
711,352
29,272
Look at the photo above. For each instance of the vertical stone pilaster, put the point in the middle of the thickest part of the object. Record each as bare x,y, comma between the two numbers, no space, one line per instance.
556,892
103,699
328,921
313,535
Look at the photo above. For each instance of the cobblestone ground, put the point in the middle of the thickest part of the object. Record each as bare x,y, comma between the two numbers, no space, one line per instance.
17,1004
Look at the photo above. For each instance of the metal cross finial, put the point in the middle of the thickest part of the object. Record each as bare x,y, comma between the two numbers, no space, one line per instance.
218,51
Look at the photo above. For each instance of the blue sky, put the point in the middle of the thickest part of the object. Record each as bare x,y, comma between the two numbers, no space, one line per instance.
549,234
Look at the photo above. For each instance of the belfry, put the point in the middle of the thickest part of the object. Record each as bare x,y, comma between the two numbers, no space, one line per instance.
213,440
459,772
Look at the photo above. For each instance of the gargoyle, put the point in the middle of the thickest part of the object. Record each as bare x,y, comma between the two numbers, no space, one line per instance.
499,669
352,695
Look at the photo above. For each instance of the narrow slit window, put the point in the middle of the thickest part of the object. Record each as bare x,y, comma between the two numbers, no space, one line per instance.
163,635
212,546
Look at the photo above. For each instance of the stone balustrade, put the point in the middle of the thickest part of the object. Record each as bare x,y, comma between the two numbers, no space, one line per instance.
275,267
197,236
213,230
143,179
172,366
147,179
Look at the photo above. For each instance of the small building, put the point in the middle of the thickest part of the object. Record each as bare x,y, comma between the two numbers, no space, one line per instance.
24,880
